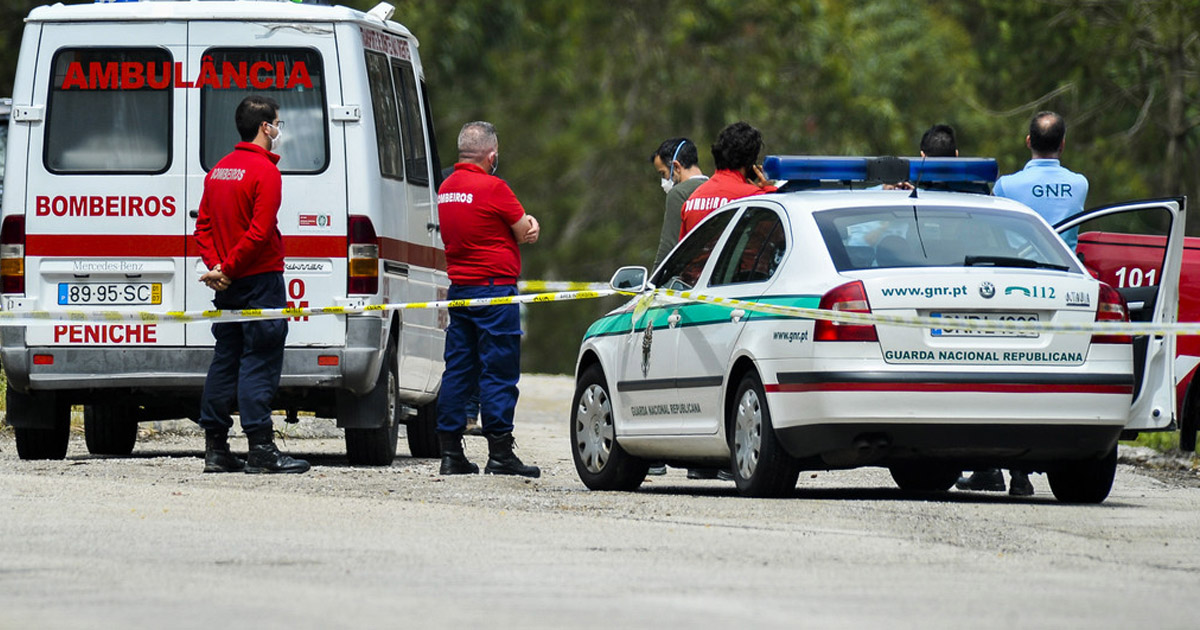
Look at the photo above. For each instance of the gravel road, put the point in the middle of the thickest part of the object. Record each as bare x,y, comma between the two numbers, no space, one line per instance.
147,541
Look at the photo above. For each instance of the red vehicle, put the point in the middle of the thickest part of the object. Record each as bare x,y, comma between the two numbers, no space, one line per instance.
1133,263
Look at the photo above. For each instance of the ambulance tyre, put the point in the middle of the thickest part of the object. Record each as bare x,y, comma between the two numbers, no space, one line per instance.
921,477
422,431
39,442
1088,481
760,465
599,460
110,429
377,446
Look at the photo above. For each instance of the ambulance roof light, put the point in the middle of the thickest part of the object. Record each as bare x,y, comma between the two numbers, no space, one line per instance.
854,169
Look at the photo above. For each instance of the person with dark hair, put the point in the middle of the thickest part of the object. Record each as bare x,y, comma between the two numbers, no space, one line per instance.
237,234
1055,193
738,175
1044,185
939,141
483,225
678,164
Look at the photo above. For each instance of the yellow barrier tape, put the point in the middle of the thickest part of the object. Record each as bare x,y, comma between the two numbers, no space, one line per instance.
19,318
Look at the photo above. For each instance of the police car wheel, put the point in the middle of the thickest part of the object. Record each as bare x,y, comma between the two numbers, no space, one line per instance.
761,468
1088,481
599,460
110,428
921,477
1190,422
421,432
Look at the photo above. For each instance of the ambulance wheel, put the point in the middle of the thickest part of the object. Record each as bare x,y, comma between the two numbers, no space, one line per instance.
761,468
1088,481
920,477
39,442
110,429
599,460
422,432
377,446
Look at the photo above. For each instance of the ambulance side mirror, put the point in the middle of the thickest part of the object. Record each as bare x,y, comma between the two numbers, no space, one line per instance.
629,279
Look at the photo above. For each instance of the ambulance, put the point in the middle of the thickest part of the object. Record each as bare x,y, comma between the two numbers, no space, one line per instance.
119,111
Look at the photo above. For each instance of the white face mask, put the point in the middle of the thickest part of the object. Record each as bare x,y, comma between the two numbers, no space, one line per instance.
667,184
277,139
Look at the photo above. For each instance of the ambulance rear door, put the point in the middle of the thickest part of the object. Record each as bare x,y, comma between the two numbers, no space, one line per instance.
297,65
105,201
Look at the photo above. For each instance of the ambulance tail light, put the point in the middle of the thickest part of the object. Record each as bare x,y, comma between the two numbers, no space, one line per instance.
847,298
12,255
1111,308
362,257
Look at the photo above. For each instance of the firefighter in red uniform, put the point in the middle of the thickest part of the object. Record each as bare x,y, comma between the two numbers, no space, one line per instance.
482,224
238,236
738,175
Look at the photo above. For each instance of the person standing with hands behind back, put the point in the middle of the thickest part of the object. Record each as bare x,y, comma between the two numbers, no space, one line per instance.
237,233
482,224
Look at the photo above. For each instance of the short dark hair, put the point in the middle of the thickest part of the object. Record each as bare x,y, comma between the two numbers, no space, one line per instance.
252,112
688,156
1046,132
939,141
737,146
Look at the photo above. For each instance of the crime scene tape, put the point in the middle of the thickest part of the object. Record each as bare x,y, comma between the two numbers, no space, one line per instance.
19,318
846,317
592,290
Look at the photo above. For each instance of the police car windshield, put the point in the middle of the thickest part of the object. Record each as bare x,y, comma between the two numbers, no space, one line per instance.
869,238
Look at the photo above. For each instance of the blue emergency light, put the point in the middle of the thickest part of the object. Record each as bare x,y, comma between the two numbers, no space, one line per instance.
818,168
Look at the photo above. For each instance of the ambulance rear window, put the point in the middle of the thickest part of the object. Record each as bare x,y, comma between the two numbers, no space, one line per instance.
291,76
109,111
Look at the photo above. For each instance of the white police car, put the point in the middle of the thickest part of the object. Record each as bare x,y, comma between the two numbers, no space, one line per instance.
693,383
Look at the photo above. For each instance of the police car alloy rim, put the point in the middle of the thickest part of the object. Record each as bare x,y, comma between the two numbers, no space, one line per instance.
747,436
594,433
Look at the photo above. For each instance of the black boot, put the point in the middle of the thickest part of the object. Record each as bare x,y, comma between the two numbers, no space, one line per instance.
264,457
502,460
217,457
454,460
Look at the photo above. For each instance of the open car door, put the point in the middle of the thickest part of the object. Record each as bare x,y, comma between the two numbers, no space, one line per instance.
1137,248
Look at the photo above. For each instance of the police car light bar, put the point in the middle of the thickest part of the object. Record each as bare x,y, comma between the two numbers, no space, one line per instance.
857,169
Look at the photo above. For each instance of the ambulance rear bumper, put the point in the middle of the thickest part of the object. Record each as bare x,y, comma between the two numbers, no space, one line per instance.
354,367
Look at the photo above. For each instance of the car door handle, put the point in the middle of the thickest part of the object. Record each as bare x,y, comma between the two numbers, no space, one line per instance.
736,315
431,227
674,318
195,214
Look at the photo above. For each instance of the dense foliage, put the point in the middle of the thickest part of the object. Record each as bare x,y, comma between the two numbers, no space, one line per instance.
583,92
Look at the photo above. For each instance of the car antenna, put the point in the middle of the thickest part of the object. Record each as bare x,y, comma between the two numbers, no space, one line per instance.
916,221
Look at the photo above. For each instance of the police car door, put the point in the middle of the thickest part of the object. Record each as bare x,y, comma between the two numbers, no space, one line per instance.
1151,291
297,65
105,212
744,269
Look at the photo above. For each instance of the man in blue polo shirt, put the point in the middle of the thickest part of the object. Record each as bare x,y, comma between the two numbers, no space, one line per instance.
1044,185
1055,193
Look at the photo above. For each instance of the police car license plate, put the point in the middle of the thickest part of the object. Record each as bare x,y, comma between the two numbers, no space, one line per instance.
983,317
116,293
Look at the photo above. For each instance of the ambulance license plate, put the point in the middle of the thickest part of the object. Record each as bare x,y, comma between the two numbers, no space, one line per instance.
949,331
115,293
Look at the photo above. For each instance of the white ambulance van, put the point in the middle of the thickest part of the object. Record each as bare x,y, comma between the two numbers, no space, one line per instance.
119,111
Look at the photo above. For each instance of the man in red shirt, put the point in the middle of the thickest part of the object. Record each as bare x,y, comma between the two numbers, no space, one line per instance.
738,175
237,234
482,224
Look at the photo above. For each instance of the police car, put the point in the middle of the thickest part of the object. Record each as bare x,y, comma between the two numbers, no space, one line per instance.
692,383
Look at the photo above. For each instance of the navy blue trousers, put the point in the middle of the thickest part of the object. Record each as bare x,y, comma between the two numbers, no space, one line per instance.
483,350
248,356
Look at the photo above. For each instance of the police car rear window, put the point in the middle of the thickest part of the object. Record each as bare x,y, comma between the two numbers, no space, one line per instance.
293,77
109,111
868,238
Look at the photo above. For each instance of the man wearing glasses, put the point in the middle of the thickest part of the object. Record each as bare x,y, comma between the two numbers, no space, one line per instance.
238,236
